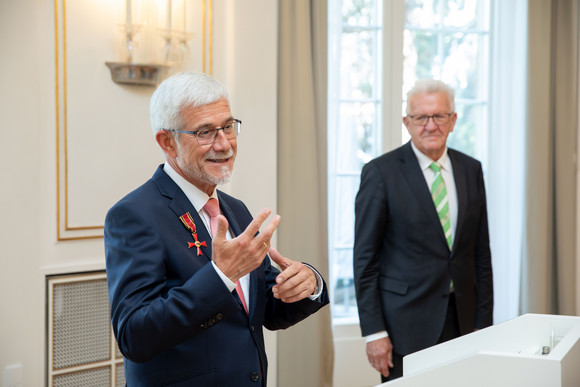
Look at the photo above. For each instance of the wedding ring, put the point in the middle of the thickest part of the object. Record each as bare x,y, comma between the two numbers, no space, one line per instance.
265,245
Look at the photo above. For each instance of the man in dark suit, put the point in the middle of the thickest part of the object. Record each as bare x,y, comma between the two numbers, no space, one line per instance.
188,309
422,263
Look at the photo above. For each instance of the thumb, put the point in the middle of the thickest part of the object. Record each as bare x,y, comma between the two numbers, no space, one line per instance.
279,259
222,228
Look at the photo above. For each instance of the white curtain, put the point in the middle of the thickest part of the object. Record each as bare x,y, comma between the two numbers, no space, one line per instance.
506,155
531,179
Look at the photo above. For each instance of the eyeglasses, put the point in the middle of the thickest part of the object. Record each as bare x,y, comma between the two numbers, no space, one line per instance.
208,136
439,119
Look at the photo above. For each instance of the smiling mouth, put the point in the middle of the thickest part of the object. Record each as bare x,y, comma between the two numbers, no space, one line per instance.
219,161
219,157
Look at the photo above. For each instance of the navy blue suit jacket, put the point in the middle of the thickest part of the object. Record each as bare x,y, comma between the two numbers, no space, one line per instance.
175,321
402,264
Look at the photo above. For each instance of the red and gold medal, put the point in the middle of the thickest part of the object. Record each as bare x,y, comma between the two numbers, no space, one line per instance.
187,221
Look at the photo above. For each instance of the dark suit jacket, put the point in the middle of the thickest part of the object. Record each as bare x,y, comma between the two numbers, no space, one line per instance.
402,265
175,321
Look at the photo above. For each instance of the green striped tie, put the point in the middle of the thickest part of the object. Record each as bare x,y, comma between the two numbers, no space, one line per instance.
439,195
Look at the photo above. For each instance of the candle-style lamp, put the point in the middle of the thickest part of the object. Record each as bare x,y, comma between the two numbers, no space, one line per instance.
147,74
183,36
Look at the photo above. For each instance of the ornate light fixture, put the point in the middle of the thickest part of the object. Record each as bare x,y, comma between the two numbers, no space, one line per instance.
150,46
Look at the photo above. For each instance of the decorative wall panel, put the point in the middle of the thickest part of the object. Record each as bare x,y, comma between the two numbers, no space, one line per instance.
104,144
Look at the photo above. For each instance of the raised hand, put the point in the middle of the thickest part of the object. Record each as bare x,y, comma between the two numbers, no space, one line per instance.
239,256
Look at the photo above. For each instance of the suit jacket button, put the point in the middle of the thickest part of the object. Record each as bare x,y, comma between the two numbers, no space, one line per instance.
252,328
254,377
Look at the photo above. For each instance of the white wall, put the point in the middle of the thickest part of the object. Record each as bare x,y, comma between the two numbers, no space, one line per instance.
245,57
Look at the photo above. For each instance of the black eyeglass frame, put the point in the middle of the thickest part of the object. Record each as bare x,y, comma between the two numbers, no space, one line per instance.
433,117
196,132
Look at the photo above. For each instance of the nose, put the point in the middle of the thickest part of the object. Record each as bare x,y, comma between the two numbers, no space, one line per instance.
431,123
221,142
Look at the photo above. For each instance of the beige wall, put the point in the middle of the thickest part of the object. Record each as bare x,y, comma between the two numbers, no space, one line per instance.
110,148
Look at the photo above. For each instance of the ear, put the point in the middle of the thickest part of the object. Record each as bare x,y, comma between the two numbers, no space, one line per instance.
407,123
167,143
453,121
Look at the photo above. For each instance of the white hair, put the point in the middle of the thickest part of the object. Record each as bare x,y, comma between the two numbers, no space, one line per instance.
180,91
430,86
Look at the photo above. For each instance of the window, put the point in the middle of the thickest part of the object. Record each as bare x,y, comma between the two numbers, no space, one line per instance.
449,40
446,40
355,105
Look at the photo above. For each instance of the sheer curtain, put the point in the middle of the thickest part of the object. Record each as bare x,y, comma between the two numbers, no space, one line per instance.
531,178
506,156
549,248
305,351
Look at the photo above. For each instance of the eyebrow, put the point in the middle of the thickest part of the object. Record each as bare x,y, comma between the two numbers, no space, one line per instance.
212,126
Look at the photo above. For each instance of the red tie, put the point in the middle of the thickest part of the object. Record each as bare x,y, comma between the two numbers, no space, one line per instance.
212,208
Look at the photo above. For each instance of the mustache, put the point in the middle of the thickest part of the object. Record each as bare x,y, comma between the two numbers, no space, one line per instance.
212,155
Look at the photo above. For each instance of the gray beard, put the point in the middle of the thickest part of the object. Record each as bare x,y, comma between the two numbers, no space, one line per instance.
224,178
200,175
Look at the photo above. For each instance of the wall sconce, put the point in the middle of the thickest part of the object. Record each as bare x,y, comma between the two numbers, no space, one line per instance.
154,39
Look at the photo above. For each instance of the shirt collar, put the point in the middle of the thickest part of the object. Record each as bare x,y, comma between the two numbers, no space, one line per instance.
197,197
425,161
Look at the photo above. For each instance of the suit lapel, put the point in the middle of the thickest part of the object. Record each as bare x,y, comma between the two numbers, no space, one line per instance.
416,180
459,175
230,216
180,205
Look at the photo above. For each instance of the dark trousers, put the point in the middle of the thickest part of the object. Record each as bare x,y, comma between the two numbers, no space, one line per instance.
450,331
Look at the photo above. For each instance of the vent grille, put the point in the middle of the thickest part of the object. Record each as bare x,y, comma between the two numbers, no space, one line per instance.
82,349
120,375
94,377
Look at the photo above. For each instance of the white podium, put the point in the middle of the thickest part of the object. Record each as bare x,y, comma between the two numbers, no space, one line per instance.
503,355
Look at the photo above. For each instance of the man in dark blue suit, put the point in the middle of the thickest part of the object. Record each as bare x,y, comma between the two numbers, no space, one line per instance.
188,309
422,262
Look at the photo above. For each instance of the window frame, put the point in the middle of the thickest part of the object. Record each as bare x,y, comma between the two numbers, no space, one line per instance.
392,109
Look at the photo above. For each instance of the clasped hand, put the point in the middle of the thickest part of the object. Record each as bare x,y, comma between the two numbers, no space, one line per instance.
239,256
